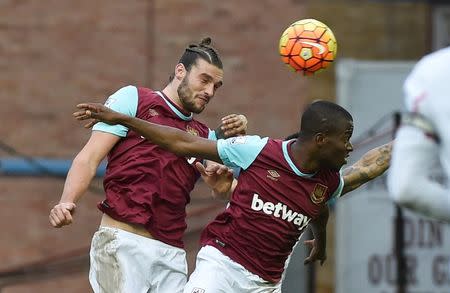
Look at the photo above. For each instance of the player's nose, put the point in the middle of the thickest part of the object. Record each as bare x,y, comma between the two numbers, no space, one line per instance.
349,147
209,91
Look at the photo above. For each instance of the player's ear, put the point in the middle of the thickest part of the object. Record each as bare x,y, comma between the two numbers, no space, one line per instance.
180,71
320,138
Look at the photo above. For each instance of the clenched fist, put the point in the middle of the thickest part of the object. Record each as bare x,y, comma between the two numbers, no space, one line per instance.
61,214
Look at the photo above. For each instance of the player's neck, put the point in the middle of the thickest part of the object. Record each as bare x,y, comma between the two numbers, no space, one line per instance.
303,157
171,92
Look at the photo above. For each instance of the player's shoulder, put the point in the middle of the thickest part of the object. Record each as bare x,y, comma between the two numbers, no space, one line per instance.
246,141
429,74
258,140
124,92
134,91
275,144
270,147
438,56
147,93
433,63
153,99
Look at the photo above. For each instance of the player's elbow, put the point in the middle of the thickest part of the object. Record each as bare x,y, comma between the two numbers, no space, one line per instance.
86,162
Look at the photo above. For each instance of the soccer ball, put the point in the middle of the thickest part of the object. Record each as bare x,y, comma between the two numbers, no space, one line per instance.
308,46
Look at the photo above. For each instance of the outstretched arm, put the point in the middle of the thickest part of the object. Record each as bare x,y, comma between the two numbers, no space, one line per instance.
371,165
174,140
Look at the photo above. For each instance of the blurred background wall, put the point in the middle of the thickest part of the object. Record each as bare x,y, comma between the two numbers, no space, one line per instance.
56,54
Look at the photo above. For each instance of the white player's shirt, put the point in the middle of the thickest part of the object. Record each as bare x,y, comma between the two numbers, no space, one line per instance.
415,152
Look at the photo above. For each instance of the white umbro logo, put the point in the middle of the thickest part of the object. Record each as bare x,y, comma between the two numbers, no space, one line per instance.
238,140
198,290
153,112
273,175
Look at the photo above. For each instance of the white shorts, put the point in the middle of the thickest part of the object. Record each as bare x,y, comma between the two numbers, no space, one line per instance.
217,273
124,262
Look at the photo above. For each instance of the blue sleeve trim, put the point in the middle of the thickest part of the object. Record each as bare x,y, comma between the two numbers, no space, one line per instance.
240,151
124,101
291,163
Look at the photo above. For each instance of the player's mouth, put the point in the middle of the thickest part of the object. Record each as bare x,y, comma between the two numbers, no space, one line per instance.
204,99
346,158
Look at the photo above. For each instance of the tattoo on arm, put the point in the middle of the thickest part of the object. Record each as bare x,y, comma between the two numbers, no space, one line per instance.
353,178
371,165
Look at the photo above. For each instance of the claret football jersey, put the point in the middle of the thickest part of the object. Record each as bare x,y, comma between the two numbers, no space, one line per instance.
271,206
145,184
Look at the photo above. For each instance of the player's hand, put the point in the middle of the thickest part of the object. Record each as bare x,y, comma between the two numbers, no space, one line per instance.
318,252
96,112
218,177
61,214
233,125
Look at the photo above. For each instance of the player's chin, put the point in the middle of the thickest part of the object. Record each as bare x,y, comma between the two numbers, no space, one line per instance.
344,160
197,109
339,165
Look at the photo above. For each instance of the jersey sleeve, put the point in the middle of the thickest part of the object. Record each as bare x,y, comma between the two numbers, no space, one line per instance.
124,101
212,135
240,151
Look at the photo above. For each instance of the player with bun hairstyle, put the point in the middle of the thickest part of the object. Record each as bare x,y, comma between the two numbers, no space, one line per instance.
139,247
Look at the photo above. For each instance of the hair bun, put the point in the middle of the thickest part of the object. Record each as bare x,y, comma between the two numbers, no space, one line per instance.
205,41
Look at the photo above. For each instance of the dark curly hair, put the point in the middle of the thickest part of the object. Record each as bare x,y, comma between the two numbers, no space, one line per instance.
202,50
322,116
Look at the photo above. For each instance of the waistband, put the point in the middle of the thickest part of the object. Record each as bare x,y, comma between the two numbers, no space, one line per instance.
107,221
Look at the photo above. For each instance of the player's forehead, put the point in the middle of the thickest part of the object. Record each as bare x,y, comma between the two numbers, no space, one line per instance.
203,68
349,126
344,127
